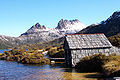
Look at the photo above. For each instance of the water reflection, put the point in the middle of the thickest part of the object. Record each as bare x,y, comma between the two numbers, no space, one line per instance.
15,71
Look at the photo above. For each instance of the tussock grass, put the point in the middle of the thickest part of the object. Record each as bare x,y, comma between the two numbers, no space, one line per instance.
100,63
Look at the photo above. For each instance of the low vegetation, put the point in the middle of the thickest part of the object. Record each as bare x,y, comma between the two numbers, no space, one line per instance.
115,40
45,45
106,65
94,62
56,52
34,52
26,57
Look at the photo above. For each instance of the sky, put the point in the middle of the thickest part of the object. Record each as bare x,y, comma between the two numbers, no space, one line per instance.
17,16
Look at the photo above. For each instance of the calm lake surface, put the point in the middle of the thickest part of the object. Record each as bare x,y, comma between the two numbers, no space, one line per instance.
15,71
2,50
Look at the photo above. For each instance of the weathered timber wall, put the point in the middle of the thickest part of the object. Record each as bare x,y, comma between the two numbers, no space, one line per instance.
76,55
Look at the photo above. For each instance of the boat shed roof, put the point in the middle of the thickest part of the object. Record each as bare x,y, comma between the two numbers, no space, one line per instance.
81,41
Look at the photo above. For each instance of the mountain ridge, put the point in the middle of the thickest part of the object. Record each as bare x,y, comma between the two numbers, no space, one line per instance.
109,27
40,33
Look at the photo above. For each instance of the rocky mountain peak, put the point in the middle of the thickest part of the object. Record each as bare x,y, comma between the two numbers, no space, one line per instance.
65,24
116,14
109,27
39,33
74,21
61,24
38,26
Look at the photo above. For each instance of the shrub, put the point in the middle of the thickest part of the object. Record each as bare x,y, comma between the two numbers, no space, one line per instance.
112,66
56,52
100,63
35,59
92,63
22,56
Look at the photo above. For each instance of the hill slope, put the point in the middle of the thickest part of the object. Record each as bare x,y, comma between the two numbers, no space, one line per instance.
8,42
109,27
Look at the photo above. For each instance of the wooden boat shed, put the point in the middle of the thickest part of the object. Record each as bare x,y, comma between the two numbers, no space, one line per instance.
78,46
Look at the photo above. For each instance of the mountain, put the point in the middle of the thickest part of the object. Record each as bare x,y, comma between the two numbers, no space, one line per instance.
8,42
109,27
40,33
68,27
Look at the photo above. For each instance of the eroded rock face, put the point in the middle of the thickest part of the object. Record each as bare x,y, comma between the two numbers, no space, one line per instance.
38,26
64,24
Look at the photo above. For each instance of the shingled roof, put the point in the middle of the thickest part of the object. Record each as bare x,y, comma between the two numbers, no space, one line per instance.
80,41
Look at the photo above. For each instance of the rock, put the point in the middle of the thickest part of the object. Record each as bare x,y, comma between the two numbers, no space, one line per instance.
52,62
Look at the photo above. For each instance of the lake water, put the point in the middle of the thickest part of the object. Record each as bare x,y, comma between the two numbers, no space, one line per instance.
2,50
15,71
